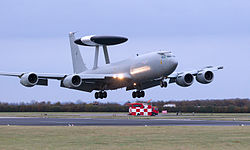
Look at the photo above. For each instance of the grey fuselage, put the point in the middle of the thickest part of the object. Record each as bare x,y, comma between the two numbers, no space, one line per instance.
140,69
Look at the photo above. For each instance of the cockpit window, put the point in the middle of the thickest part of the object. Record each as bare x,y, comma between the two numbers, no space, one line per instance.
170,55
166,54
163,52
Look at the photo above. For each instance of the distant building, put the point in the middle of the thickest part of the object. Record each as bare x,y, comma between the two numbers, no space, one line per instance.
169,105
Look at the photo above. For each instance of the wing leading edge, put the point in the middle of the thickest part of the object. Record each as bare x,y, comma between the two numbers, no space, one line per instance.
40,75
95,79
174,75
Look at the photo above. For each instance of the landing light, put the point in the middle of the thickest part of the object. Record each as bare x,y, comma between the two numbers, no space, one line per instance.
118,76
139,70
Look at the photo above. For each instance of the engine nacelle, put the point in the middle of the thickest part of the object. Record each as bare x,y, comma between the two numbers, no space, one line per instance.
205,77
72,81
29,79
185,80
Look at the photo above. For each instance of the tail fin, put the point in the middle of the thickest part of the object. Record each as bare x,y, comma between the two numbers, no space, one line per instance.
78,64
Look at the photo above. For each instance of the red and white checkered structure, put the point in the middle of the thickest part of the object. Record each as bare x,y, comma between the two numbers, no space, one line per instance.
141,109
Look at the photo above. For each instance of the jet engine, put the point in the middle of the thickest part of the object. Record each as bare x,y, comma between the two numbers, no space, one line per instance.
205,77
185,79
29,79
72,81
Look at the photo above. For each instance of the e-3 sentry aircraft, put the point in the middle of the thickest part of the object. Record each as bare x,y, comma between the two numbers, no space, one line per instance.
138,73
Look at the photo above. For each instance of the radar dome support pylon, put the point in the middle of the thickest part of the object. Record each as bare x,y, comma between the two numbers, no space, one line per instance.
96,57
106,54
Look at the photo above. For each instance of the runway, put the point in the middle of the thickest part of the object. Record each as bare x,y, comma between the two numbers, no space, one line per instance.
115,122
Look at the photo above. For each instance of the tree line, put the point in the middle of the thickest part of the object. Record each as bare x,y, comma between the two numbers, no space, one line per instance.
197,106
208,106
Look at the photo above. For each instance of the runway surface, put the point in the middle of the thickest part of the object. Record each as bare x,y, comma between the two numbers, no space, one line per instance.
115,122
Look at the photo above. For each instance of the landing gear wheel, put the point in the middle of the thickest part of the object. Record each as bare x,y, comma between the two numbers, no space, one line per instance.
142,93
138,94
101,95
163,84
134,94
104,94
96,95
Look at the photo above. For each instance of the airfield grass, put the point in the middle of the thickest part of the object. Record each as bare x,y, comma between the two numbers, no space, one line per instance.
124,138
122,115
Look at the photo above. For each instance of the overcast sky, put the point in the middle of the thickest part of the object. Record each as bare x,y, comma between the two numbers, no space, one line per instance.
34,37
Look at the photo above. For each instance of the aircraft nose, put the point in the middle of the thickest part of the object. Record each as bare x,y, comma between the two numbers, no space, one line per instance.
175,63
79,42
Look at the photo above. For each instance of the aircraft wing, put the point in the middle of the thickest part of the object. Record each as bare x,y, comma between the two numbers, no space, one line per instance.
14,74
62,76
104,76
174,75
40,75
91,81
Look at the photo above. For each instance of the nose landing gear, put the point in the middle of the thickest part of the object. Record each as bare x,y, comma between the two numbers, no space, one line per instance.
101,94
163,84
138,94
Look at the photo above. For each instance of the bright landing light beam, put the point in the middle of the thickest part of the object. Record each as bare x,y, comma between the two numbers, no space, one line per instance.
139,70
119,76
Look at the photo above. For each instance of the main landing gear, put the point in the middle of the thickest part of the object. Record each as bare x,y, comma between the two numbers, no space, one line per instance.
138,94
101,94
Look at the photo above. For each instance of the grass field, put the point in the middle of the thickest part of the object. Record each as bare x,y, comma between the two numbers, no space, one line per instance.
124,138
119,115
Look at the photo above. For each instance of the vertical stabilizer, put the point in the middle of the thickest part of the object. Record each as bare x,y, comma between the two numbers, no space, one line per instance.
78,64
